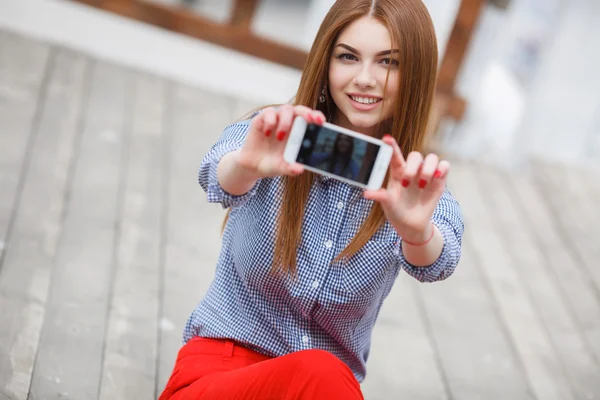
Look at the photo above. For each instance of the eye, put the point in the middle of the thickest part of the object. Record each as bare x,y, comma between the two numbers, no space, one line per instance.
391,62
347,57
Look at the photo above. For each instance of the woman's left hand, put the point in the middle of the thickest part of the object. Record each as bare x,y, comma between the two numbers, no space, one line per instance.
413,191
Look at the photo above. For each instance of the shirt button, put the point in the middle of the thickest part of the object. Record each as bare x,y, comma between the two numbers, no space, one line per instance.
329,244
305,339
340,205
315,284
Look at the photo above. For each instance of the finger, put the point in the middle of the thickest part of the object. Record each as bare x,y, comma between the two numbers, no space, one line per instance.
318,117
258,123
381,196
411,168
294,169
397,162
428,169
443,170
438,183
304,112
286,117
270,120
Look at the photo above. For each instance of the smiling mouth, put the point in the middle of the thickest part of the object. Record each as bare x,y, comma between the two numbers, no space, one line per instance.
365,100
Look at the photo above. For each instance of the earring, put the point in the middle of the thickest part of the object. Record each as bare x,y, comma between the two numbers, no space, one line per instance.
322,97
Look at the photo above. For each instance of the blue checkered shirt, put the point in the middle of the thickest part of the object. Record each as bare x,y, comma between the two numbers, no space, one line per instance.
329,306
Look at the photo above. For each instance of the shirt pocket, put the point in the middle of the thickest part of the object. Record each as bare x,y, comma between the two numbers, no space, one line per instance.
364,275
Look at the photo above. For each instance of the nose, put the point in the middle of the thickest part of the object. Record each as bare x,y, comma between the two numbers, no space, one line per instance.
365,79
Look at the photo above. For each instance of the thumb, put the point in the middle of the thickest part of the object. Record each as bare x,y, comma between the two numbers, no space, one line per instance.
381,196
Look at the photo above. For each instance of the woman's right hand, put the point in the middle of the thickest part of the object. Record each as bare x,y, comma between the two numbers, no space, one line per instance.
261,155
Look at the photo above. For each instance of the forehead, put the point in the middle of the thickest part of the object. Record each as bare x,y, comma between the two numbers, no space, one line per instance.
366,34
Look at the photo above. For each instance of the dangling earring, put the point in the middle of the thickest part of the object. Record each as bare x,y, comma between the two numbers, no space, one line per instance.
322,98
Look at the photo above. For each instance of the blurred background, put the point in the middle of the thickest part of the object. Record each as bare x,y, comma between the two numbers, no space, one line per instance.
107,241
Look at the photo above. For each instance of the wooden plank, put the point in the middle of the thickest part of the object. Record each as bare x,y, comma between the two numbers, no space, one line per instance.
478,359
403,359
186,22
193,241
25,276
475,350
541,364
23,65
576,213
551,303
130,352
560,260
69,359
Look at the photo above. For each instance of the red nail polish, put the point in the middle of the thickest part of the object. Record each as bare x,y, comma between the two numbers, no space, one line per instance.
268,132
280,135
405,182
320,120
438,174
309,119
422,183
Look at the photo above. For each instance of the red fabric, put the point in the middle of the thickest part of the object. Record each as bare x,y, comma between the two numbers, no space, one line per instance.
219,369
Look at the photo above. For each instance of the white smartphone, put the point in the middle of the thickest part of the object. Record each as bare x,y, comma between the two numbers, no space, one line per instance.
339,153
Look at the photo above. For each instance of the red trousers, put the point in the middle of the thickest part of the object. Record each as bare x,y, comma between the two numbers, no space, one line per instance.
220,369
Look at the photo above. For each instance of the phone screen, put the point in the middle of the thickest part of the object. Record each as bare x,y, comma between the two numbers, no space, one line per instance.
337,153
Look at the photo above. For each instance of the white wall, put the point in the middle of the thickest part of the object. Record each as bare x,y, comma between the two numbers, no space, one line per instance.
563,113
519,109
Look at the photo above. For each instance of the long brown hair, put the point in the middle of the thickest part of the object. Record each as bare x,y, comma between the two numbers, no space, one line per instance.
412,33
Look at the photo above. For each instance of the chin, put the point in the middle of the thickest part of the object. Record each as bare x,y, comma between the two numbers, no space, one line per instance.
363,121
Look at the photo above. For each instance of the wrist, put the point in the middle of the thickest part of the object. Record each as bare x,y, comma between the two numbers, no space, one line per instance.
234,178
242,169
419,237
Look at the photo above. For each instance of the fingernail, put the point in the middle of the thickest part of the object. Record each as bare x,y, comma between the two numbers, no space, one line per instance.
309,119
268,132
280,135
422,183
320,120
405,182
438,174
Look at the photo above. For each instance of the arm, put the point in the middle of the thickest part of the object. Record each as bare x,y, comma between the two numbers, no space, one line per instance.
249,151
423,213
438,259
232,177
220,177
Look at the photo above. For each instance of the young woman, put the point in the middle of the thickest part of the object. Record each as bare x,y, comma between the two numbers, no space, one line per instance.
307,261
339,161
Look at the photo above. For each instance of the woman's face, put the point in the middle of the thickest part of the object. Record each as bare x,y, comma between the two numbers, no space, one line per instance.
359,66
343,144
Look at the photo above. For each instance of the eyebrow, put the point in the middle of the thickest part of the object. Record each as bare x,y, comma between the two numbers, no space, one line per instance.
381,53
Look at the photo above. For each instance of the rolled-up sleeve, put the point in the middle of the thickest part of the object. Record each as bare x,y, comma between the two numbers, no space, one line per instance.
231,139
447,217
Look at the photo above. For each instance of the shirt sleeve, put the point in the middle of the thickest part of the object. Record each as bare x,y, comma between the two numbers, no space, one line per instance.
231,139
447,217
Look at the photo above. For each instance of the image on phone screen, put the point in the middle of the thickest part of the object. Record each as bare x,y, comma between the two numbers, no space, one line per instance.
337,153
